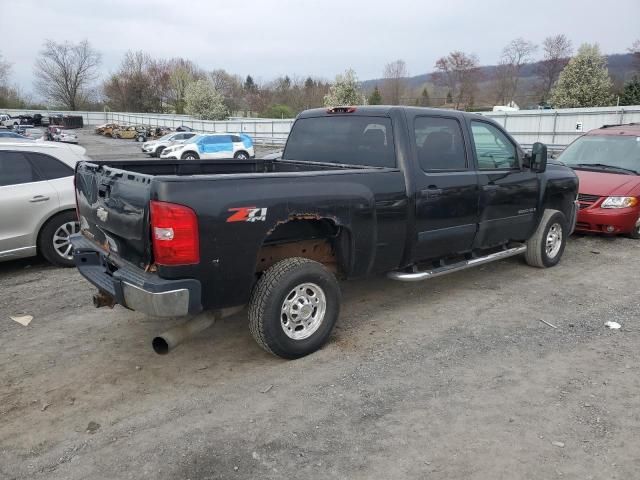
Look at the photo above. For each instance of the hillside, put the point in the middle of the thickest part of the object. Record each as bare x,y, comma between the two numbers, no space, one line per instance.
620,68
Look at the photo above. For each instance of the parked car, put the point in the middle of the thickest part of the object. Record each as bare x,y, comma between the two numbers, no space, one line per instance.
152,132
214,145
106,128
39,120
184,128
127,132
9,136
155,147
607,161
37,200
413,192
29,131
9,121
58,134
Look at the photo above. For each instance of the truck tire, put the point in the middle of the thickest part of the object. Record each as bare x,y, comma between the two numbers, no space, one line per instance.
545,247
294,307
53,240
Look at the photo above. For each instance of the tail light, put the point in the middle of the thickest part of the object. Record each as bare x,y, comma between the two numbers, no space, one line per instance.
174,234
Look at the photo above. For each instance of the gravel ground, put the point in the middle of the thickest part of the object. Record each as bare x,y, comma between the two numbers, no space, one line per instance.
454,378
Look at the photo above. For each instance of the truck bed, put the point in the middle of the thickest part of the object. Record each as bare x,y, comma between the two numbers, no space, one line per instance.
214,167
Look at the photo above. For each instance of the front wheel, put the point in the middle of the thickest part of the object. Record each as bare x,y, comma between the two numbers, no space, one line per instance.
54,241
545,247
190,156
635,233
294,307
159,151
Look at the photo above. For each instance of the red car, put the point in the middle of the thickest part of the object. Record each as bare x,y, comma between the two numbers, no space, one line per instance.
607,161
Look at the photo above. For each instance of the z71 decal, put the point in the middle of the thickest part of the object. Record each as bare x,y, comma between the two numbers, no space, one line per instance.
247,214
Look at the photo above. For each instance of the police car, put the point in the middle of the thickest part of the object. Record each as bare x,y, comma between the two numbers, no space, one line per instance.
211,146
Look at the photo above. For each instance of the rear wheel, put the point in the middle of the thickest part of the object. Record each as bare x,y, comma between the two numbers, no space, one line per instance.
545,247
54,241
140,138
190,156
294,307
241,155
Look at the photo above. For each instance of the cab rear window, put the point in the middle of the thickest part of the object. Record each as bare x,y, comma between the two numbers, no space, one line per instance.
354,140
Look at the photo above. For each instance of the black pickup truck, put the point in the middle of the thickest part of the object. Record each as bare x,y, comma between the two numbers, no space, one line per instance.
410,192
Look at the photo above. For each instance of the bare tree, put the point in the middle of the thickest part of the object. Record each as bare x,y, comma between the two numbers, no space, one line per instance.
515,55
634,49
230,87
557,51
5,68
65,71
182,73
395,83
459,72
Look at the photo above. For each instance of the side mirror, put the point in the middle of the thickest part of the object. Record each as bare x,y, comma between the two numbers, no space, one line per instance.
538,162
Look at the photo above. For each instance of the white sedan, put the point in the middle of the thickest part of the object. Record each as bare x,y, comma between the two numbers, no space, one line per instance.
212,146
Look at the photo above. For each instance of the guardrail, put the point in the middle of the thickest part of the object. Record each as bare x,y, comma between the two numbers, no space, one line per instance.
553,127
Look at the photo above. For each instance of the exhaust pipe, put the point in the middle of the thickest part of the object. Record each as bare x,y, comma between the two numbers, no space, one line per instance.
173,337
163,344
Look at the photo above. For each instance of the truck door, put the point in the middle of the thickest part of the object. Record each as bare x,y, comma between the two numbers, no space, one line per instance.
508,191
446,188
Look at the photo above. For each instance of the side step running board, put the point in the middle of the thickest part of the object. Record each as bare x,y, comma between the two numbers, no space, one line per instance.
456,267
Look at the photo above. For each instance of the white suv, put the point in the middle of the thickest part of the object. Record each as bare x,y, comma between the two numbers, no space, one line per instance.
155,147
214,145
37,200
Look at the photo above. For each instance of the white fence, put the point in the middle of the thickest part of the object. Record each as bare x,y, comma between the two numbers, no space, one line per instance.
553,127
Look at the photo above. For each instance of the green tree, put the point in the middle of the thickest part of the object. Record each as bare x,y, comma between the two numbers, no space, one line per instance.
375,98
344,91
278,111
584,82
249,85
204,101
631,93
423,100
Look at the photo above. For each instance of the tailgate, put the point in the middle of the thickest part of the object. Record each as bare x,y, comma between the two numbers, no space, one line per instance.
113,208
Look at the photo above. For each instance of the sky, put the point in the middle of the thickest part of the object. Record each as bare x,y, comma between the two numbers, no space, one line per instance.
269,38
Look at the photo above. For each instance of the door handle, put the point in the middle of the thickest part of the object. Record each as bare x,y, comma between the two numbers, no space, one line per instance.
431,192
39,198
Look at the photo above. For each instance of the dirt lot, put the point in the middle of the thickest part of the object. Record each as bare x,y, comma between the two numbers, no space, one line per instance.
454,378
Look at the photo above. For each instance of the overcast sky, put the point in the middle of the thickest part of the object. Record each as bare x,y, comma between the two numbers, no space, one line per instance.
318,37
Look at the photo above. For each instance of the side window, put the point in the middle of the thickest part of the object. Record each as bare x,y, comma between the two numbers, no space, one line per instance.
188,135
48,167
235,139
493,148
15,169
439,144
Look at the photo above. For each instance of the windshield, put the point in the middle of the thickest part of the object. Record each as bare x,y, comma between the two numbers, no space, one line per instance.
355,140
166,137
194,139
603,150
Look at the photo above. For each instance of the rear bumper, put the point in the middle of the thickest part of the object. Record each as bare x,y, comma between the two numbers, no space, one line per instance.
608,220
132,287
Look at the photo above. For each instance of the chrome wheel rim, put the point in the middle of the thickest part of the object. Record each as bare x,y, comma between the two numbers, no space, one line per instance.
303,311
554,240
242,156
62,239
